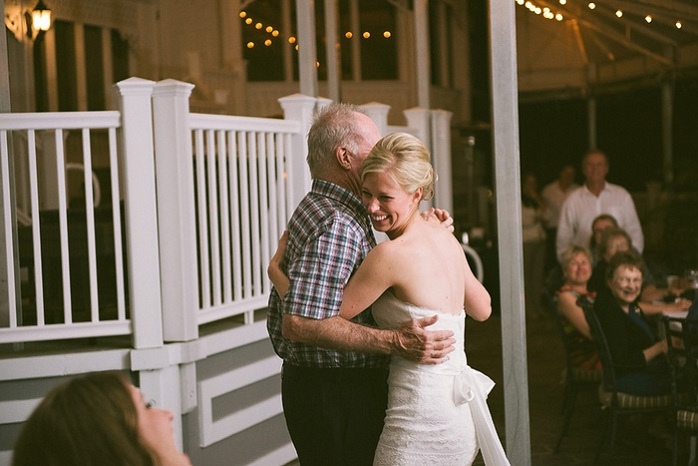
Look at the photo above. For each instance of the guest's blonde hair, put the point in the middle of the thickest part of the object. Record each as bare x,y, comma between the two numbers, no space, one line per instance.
407,159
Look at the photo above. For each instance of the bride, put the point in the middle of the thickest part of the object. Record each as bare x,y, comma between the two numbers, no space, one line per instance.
437,414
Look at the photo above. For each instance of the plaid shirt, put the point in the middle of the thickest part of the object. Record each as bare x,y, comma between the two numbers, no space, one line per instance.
329,237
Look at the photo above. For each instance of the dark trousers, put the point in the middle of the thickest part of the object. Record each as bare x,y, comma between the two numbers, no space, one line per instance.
334,416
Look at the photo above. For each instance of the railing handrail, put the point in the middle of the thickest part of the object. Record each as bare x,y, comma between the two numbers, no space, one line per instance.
239,123
60,120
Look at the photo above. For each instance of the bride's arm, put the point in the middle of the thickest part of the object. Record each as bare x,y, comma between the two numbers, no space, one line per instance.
274,270
369,281
364,287
478,303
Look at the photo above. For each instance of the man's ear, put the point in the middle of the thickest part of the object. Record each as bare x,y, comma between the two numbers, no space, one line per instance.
343,158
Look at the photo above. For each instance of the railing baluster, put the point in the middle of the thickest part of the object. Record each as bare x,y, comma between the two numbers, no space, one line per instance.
90,217
235,212
225,216
213,217
116,218
265,153
245,218
36,230
203,224
8,233
255,212
63,228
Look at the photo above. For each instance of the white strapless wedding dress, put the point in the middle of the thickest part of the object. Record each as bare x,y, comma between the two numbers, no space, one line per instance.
437,414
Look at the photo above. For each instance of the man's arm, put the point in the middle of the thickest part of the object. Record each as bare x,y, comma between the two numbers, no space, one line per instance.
411,341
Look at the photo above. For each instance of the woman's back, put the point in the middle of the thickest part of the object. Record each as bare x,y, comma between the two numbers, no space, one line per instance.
430,267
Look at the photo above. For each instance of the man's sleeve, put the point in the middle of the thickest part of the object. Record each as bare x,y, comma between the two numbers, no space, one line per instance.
320,272
565,229
632,225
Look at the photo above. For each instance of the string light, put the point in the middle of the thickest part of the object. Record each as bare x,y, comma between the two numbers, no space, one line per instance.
546,12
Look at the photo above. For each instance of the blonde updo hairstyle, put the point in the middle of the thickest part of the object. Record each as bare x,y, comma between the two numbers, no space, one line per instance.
407,160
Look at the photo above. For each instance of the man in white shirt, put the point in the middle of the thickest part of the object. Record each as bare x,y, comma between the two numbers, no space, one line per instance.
597,196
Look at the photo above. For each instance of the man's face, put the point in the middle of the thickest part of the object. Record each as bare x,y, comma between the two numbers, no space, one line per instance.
595,168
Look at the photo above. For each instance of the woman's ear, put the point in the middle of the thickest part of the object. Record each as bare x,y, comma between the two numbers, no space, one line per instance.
417,195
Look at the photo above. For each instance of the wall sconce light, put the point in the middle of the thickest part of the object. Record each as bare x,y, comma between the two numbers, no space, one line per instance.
27,25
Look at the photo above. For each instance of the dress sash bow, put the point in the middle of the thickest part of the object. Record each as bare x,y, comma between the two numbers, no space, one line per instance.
472,387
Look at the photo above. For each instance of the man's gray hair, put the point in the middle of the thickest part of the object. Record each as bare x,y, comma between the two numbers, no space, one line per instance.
334,126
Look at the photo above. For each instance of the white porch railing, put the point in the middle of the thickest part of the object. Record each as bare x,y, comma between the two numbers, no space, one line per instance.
197,205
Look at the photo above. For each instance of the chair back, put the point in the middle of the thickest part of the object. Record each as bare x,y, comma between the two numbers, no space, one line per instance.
599,337
683,357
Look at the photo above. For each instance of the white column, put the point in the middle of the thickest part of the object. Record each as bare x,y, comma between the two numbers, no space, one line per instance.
80,66
443,48
299,107
141,225
356,40
51,69
176,209
107,65
420,119
667,93
289,51
307,54
441,158
332,49
379,114
422,56
505,117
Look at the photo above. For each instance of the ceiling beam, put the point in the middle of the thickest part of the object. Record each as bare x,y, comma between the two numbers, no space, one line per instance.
613,35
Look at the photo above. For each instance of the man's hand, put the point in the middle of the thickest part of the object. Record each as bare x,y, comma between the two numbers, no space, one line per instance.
439,215
415,343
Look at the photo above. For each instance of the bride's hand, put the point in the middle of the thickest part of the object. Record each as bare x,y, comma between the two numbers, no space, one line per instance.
274,270
415,343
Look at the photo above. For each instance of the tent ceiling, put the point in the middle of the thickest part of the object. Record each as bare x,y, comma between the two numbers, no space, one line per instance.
601,47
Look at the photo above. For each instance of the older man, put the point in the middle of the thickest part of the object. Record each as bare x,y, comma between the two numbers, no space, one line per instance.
334,387
596,197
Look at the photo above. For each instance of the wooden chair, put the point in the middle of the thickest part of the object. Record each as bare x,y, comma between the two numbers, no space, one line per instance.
682,339
614,402
575,379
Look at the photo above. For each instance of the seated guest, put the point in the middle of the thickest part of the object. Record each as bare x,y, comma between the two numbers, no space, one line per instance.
600,224
611,241
615,240
97,419
576,266
638,356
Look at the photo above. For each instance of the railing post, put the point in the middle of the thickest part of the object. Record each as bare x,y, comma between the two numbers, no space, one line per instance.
419,119
299,107
441,158
176,209
138,175
379,114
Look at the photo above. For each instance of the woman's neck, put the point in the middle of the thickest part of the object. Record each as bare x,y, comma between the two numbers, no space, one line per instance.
580,288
